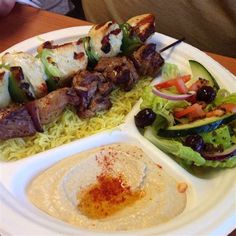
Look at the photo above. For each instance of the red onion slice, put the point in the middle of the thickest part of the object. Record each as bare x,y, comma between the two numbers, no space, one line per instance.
174,97
220,156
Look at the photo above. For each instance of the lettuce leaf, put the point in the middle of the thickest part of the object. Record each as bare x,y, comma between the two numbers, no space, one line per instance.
186,154
160,105
169,71
230,163
220,136
175,148
223,96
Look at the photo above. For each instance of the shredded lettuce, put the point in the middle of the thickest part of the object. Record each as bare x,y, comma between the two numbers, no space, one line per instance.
169,71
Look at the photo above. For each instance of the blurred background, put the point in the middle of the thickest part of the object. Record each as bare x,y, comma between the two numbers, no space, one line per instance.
209,25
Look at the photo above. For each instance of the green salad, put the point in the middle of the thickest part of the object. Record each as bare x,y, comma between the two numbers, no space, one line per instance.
190,117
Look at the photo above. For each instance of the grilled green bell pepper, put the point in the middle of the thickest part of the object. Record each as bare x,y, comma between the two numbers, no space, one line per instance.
19,88
92,56
130,41
51,69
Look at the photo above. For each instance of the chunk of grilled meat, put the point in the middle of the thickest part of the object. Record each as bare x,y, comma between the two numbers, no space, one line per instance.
147,60
143,25
93,90
98,103
15,122
48,108
119,70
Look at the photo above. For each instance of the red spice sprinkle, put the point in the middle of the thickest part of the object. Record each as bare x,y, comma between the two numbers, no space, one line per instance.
108,189
107,196
106,162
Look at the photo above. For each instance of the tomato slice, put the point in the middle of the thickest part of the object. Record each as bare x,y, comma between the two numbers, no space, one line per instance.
178,82
229,107
193,112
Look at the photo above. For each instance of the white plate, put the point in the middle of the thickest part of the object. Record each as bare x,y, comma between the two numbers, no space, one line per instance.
211,204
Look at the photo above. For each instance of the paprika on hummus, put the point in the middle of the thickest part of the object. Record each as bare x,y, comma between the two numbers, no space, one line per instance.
111,188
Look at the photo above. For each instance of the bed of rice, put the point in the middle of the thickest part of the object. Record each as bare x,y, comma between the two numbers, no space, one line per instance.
69,127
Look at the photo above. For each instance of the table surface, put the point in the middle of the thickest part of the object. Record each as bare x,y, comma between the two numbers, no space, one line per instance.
25,22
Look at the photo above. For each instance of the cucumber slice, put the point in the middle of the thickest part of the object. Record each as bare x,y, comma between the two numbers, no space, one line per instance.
199,71
199,126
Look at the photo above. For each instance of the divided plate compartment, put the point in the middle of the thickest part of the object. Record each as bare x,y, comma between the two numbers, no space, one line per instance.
211,203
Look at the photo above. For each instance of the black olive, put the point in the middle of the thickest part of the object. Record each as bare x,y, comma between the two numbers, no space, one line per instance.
144,118
206,94
195,141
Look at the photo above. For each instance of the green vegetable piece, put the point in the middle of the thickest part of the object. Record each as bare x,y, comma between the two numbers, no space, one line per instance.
220,136
199,71
47,59
4,66
17,93
92,56
160,105
169,71
52,84
223,96
230,163
233,139
130,41
198,126
175,148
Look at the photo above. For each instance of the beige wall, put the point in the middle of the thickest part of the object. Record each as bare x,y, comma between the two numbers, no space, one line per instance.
207,24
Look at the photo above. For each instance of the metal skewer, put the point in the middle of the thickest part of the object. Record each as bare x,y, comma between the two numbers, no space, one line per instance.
172,45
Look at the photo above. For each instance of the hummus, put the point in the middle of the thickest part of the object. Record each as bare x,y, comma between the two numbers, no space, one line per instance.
111,188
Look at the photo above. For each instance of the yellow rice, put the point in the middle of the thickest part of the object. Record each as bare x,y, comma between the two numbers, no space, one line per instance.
69,127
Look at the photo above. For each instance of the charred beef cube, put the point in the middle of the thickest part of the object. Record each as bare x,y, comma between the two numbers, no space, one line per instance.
98,103
87,84
119,70
147,60
48,108
15,122
93,89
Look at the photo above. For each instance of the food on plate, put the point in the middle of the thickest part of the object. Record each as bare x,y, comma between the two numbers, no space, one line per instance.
78,80
62,62
5,98
135,32
16,116
48,108
106,39
147,60
111,188
93,90
119,70
190,117
143,25
33,77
